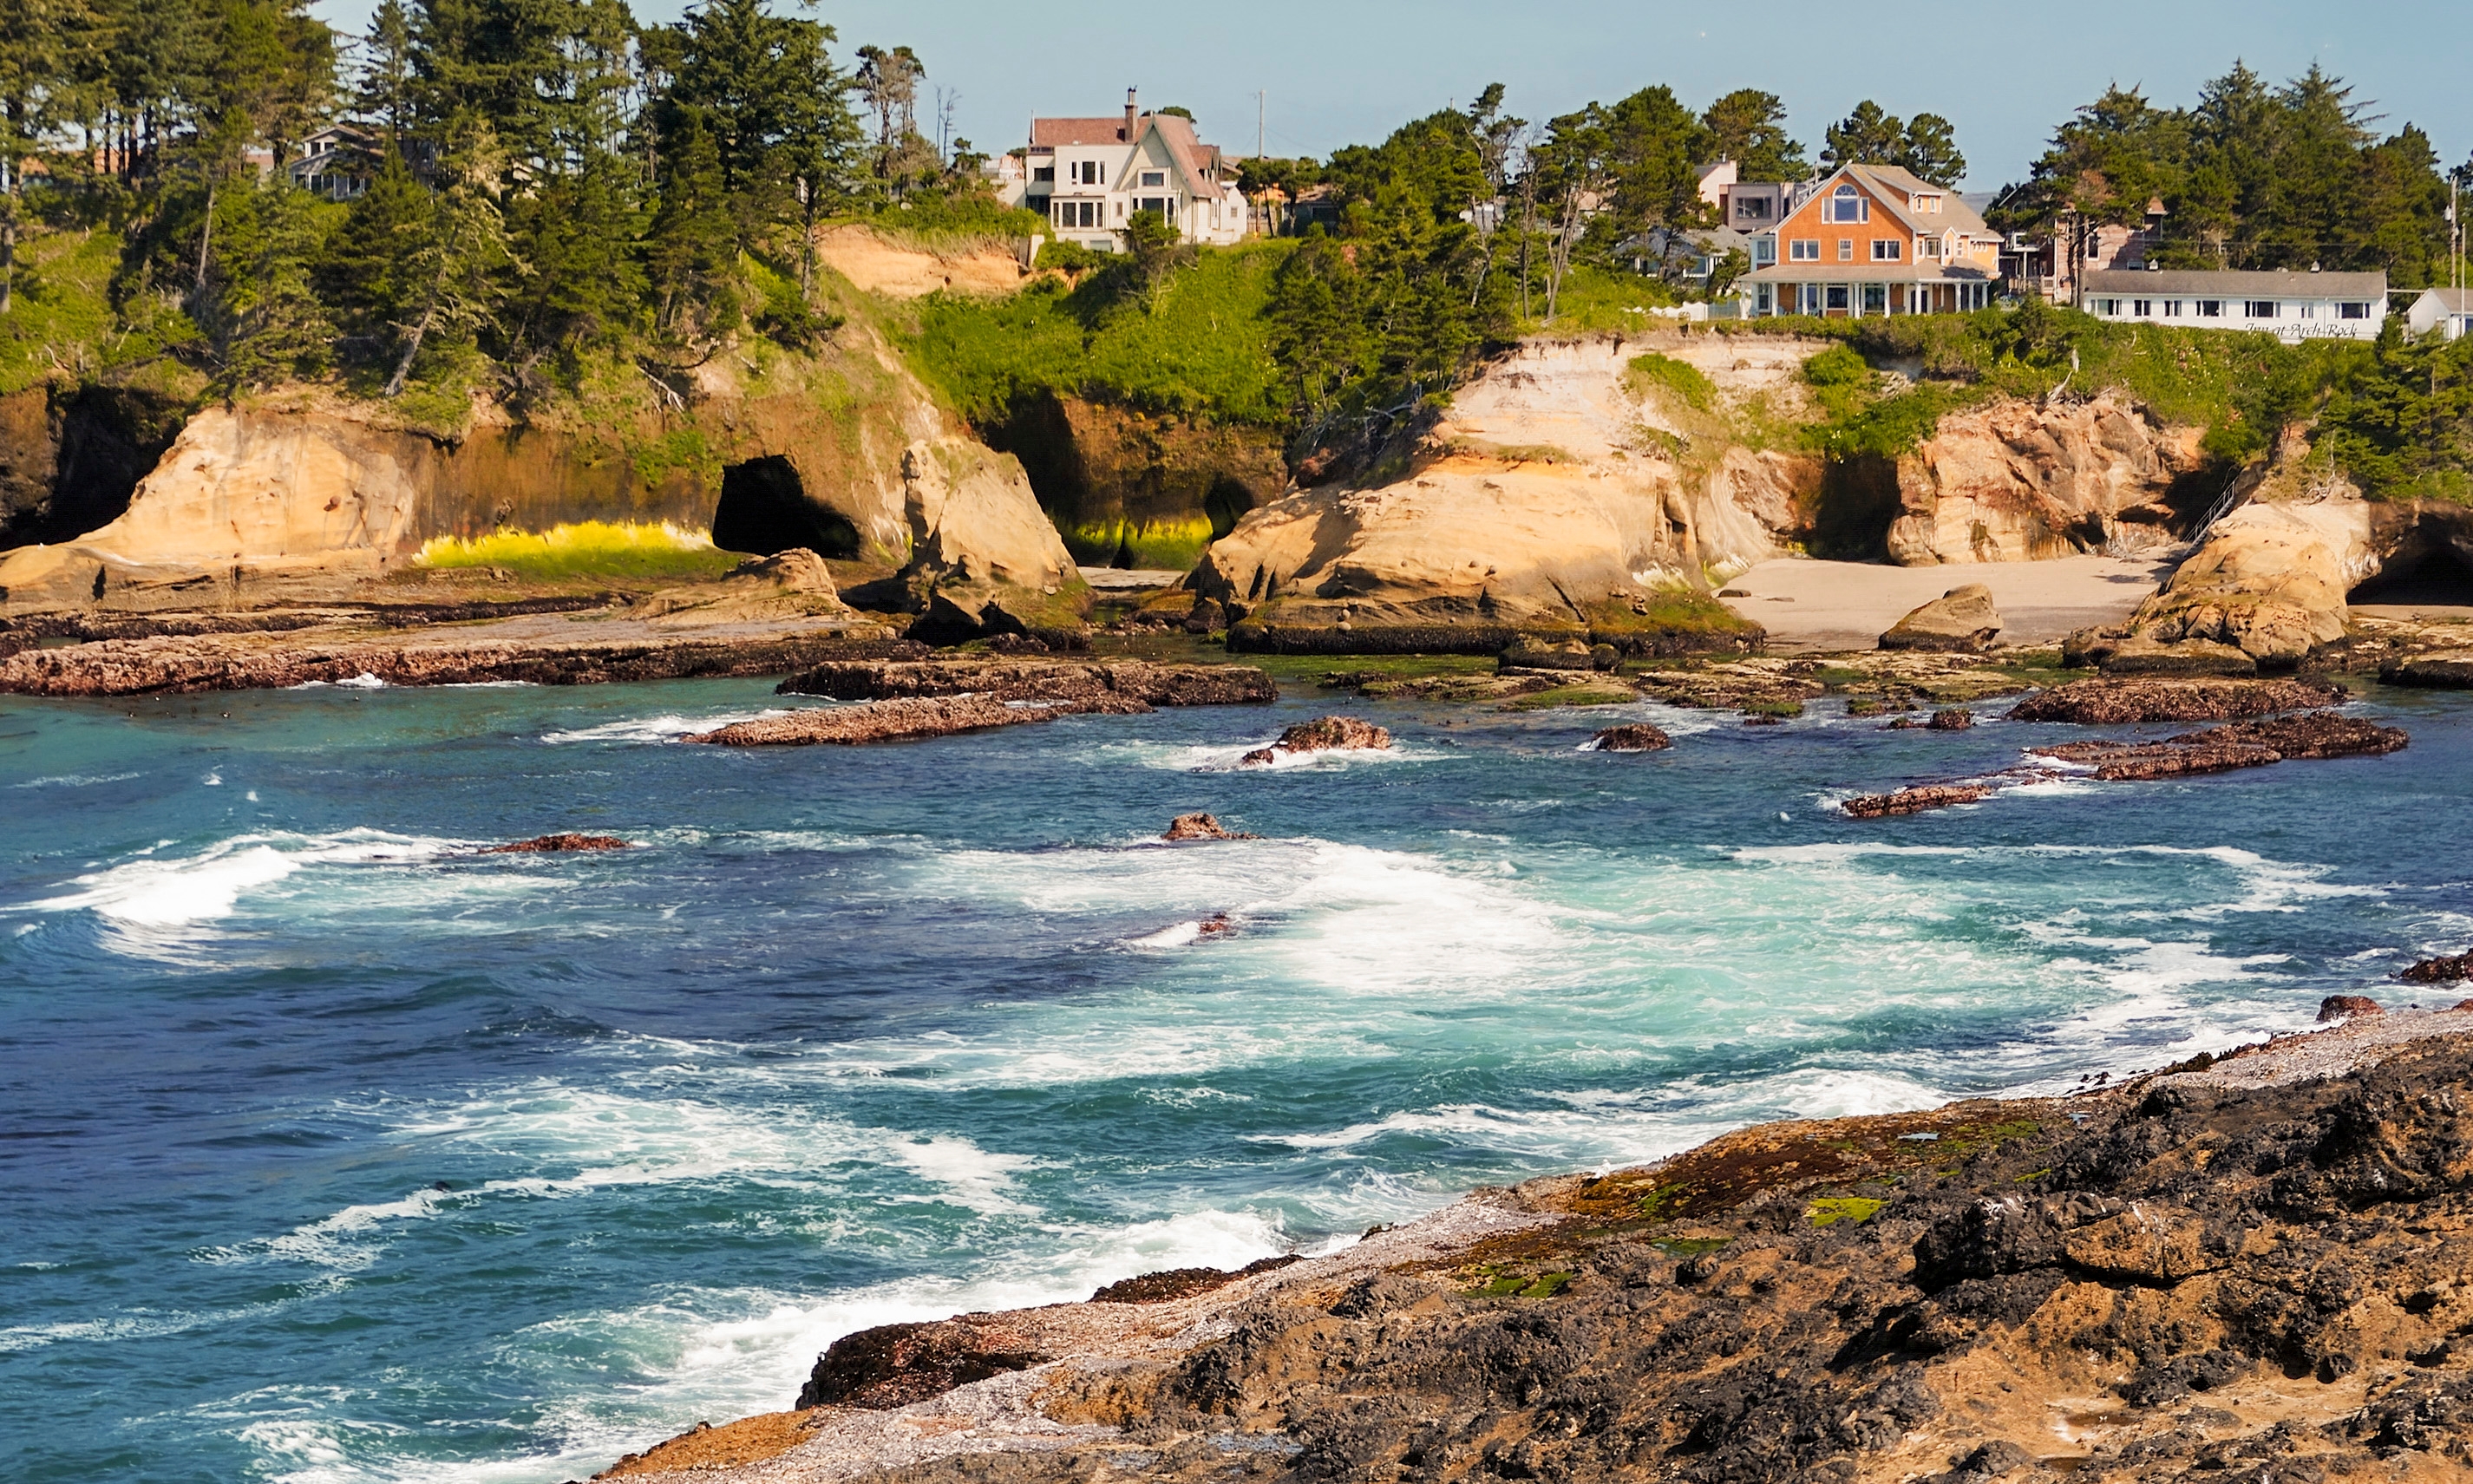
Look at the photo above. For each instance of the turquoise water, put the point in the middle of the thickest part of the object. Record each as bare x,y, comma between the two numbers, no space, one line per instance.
329,1151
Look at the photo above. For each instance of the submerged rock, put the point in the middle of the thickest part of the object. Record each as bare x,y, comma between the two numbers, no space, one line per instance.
1916,801
1631,737
543,844
1324,734
1202,826
2100,702
1960,621
2251,744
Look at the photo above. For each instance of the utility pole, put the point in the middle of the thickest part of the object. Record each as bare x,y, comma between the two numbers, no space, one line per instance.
1262,109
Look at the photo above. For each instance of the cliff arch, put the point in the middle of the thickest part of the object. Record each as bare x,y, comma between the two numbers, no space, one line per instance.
764,508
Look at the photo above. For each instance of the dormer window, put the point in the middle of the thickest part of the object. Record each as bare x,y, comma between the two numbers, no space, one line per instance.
1846,204
1154,178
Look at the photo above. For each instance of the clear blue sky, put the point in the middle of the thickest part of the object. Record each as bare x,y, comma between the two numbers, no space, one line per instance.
1347,71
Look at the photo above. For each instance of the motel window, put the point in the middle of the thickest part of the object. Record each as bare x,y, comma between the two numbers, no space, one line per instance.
1155,178
2171,309
1884,249
2143,308
2107,306
1804,250
1847,205
2306,311
2353,310
2259,309
2211,309
1845,250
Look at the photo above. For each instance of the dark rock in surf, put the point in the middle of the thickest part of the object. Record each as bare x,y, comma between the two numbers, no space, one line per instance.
2339,1007
1202,826
1954,718
894,1365
2102,702
546,844
1916,801
1633,737
1164,1287
1323,734
2439,970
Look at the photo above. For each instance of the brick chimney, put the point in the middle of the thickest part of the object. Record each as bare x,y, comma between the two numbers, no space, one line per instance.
1131,114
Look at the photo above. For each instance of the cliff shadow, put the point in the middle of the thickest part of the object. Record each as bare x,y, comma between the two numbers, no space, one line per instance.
764,508
2431,568
1848,519
76,459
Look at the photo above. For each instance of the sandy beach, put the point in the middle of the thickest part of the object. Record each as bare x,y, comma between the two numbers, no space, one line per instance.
1808,605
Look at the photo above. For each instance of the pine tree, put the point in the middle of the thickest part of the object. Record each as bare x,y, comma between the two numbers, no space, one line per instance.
457,272
692,255
1748,127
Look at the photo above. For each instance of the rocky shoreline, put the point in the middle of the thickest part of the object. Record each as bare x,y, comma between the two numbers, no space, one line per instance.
2252,1266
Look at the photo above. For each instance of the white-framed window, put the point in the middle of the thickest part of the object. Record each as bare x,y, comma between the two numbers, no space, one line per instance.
1764,251
1835,296
2352,309
1846,204
1845,250
1088,171
1928,247
2171,309
1803,250
1876,299
2259,309
2305,311
1154,178
2143,308
1884,249
2210,308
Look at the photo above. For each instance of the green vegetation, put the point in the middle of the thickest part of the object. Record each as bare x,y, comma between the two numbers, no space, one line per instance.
1500,1285
2401,423
593,548
1582,695
1159,545
2252,175
1199,345
1682,379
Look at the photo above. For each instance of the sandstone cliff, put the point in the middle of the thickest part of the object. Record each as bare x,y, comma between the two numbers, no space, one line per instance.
291,495
2016,482
1134,489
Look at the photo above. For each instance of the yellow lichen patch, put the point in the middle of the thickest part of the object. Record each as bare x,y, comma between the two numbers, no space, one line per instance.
1830,1209
591,548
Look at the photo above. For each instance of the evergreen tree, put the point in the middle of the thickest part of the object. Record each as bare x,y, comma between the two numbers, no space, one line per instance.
1929,151
272,325
692,255
1867,136
1748,127
457,272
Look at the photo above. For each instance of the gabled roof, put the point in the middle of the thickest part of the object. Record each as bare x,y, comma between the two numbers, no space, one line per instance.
2452,301
2236,284
1193,158
1893,186
1046,133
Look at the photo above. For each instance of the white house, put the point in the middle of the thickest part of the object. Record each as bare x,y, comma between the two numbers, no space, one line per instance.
2291,305
2447,309
1089,177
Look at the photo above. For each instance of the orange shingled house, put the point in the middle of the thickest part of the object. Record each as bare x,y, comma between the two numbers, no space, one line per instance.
1875,240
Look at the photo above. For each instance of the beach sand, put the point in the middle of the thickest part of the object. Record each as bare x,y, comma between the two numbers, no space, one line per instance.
1808,605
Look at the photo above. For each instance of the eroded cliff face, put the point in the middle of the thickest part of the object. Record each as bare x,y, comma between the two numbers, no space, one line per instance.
71,456
1558,493
2015,481
1135,488
289,498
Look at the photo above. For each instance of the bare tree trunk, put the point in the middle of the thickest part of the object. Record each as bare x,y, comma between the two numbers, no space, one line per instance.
9,255
206,235
410,349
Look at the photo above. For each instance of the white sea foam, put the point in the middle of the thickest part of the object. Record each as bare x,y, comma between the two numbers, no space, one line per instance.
77,781
1174,936
665,728
364,680
149,891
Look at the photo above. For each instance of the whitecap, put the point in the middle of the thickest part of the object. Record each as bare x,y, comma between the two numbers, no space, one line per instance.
364,680
156,892
665,728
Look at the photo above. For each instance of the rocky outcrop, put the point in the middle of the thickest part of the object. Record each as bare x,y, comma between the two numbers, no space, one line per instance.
2341,1007
901,721
276,661
2107,702
2270,581
1323,734
1202,826
1915,801
557,844
1960,621
2446,669
788,585
1631,737
1037,680
2439,970
2019,481
1549,499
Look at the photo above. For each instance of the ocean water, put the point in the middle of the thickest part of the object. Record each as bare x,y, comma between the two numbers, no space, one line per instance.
330,1151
